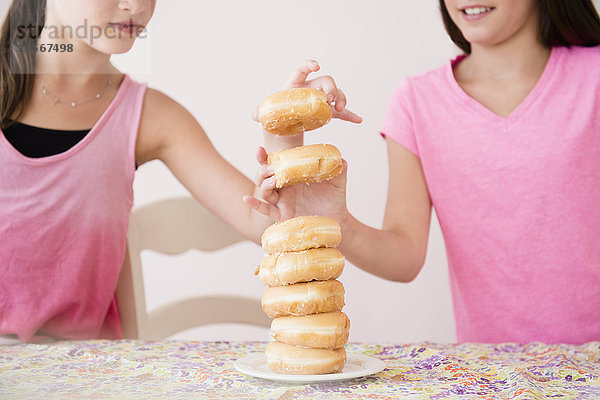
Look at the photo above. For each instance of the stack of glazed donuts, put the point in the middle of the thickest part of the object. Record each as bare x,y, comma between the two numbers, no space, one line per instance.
304,297
301,264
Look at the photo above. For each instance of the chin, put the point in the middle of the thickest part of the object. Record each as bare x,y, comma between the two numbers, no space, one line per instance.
114,48
483,38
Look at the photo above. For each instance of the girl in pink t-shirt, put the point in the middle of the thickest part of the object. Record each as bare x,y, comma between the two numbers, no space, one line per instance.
504,142
72,131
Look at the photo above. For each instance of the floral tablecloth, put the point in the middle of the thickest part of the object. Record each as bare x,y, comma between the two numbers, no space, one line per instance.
204,370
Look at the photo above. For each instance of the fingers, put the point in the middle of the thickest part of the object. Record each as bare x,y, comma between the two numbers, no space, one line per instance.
344,172
337,97
326,84
298,77
340,101
340,180
265,179
267,190
261,155
347,115
264,208
265,172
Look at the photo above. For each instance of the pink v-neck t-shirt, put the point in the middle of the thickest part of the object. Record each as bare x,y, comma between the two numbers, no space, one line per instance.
517,198
63,227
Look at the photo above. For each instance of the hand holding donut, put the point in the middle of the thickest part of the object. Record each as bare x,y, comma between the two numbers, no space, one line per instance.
285,113
322,198
334,96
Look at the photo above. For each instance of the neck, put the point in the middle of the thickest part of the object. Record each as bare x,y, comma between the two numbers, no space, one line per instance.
507,61
523,53
78,63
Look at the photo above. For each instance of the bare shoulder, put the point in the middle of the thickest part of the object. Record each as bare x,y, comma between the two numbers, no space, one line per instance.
163,118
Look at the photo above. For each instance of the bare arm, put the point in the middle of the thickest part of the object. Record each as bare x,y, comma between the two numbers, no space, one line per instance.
397,251
168,132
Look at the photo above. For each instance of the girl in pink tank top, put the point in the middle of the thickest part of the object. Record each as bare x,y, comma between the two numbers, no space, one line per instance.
64,204
504,142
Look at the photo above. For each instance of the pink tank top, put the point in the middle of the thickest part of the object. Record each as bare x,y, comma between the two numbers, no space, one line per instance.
63,228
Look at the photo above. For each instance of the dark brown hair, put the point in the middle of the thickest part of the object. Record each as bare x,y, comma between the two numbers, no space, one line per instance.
562,23
23,23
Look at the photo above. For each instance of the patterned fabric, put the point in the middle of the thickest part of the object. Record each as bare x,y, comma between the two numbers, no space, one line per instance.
204,370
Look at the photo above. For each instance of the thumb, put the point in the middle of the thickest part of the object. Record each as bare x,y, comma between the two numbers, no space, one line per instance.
344,172
261,155
341,179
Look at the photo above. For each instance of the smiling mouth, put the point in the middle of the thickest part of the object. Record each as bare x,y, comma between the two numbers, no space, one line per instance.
476,10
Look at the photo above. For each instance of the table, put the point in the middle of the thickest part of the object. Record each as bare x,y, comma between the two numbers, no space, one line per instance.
204,370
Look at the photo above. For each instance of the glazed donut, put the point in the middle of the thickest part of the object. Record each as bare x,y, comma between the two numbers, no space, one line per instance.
294,111
301,233
303,298
324,331
286,359
303,266
305,164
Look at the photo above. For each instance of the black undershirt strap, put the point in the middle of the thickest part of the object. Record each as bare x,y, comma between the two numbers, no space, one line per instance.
36,142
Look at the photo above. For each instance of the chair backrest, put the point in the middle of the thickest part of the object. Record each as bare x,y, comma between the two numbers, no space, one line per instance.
174,226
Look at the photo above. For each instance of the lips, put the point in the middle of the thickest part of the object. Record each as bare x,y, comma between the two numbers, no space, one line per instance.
128,27
476,12
128,22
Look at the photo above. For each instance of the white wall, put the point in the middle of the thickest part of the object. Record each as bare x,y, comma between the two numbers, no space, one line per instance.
220,59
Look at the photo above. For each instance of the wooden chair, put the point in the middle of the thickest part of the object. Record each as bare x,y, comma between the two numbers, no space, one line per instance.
173,226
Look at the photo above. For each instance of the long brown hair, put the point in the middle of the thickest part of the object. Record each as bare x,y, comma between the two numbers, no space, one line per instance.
562,23
18,40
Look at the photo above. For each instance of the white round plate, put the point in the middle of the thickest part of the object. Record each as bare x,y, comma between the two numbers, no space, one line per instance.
357,365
